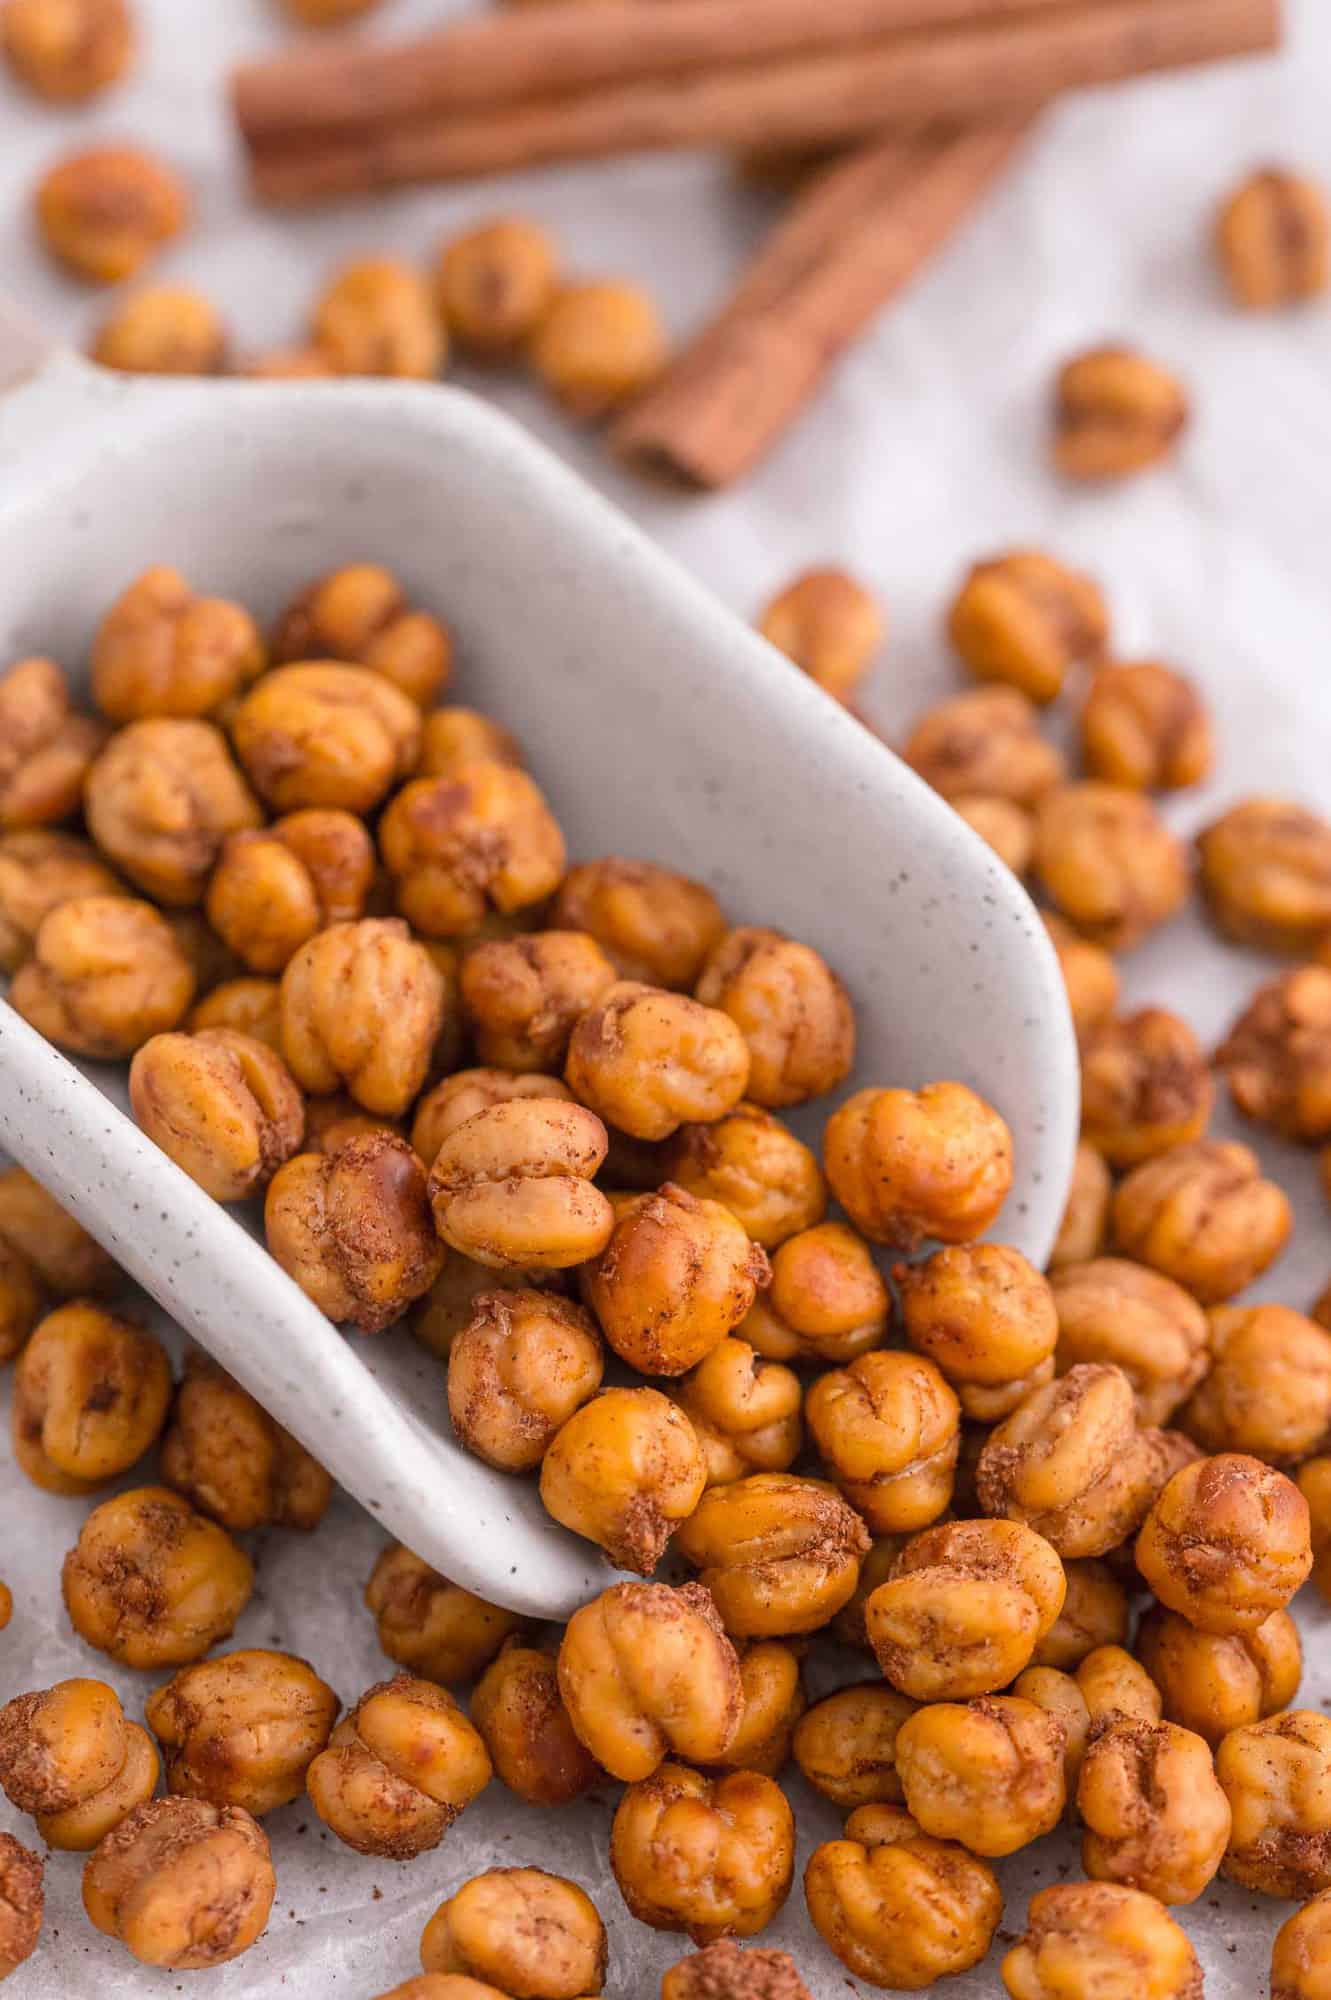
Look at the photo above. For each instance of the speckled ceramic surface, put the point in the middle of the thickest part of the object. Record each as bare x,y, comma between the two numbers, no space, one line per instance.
658,725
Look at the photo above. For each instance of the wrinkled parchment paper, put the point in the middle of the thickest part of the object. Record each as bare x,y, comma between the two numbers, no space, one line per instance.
924,453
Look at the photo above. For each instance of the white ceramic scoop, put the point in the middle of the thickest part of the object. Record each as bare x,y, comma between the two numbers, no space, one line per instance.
658,725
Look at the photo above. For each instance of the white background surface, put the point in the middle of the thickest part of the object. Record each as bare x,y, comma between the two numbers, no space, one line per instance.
926,452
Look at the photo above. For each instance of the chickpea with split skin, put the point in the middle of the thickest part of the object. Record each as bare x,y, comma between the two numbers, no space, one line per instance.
513,1185
655,926
71,1757
845,1744
753,1165
910,1164
649,1061
181,1883
271,891
429,1625
985,743
1226,1543
713,1857
353,1228
539,1934
985,1317
90,1395
164,650
46,747
889,1429
1204,1216
458,1097
522,1366
398,1770
1024,619
624,1471
1101,1941
322,733
456,847
360,614
242,1730
222,1105
161,800
151,1583
780,1554
988,1773
1116,413
232,1461
676,1276
745,1412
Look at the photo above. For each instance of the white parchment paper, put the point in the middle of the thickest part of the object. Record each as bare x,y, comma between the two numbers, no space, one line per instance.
926,451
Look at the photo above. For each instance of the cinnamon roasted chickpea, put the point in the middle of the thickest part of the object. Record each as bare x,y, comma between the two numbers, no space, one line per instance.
327,13
105,975
966,1606
362,1004
1273,243
331,1121
726,1971
71,1758
1116,412
1145,726
625,1470
225,1453
655,926
849,1627
1226,1543
1268,1390
512,1185
985,743
753,1165
1116,1312
745,1412
461,845
360,614
536,1932
598,344
163,651
985,1317
398,1770
181,1883
66,1260
676,1276
523,996
898,1909
524,1364
162,330
223,1106
1212,1682
1155,1815
460,1096
22,1301
321,733
829,625
1277,1056
151,1583
646,1672
39,870
773,1700
987,1773
1090,977
46,747
454,736
790,1007
1266,874
827,1301
845,1744
1145,1086
1085,1226
1314,1482
104,211
1024,619
495,284
447,1308
1100,1941
242,1730
649,1061
1108,863
353,1229
90,1396
1204,1216
1008,829
1301,1954
518,1709
21,1903
710,1856
436,1628
1277,1777
69,51
907,1164
376,317
780,1554
889,1429
161,799
271,891
1059,1695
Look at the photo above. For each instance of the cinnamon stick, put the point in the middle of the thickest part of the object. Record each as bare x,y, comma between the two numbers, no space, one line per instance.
902,83
854,239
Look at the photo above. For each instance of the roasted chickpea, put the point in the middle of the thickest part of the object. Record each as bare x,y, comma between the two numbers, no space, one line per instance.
710,1856
964,1609
495,284
986,1318
467,1091
1156,1817
223,1106
40,870
162,330
653,925
756,1167
520,1713
898,1909
331,1121
826,1303
151,1583
844,1745
398,1770
1112,1311
538,1933
1204,1216
377,317
452,737
360,614
1085,1224
1277,1778
1302,1952
64,1257
599,344
181,1883
1059,1695
211,960
624,1471
1008,829
829,625
1277,1055
353,1229
106,974
650,1061
457,846
1314,1481
104,211
90,1395
273,890
512,1185
71,1758
889,1428
432,1626
1226,1543
1212,1682
1145,726
1266,874
676,1276
984,744
1268,1390
447,1308
849,1626
69,51
908,1164
362,1004
225,1453
161,799
988,1773
45,747
725,1971
242,1730
22,1301
1145,1086
1108,862
524,995
1024,618
745,1412
1273,242
21,1903
327,13
647,1672
163,651
526,1361
780,1555
772,1685
1089,975
325,734
1116,412
1098,1941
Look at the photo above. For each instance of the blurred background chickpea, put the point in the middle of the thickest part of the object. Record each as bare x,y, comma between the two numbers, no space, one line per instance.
827,1301
46,747
1115,1312
225,1453
676,1276
525,1362
1268,1389
398,1770
242,1730
376,317
512,1185
495,284
39,870
1314,1482
845,1745
1008,829
90,1395
1266,874
273,890
181,1883
362,1004
524,995
829,625
909,1164
71,1757
321,733
1204,1216
67,51
105,975
520,1714
161,799
436,1628
889,1428
1273,241
22,1301
151,1583
1156,1817
353,1229
901,1910
985,1317
164,651
453,736
745,1412
1277,1777
710,1856
360,614
625,1470
68,1262
1085,1226
1212,1682
1146,1086
1089,974
985,743
654,925
1108,863
162,330
780,1555
649,1061
537,1932
988,1773
457,846
599,343
1301,1954
1116,412
1088,1939
105,211
1277,1056
1226,1543
1145,726
21,1903
1024,618
223,1106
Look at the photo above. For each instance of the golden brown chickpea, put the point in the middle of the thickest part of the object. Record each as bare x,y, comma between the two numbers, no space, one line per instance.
1085,1224
1314,1482
452,737
647,1672
1212,1682
181,1883
753,1165
985,743
1277,1055
327,13
829,625
772,1685
725,1971
22,1301
377,317
512,1185
1113,1311
889,1428
848,1627
1145,726
964,1609
1058,1695
398,1770
223,1106
151,1583
67,51
538,1933
242,1730
1145,1086
1117,1688
1203,1215
456,846
360,614
1156,1818
161,799
826,1303
1268,1390
525,1362
780,1555
907,1164
104,211
1301,1954
432,1626
675,1277
600,343
1226,1544
106,974
1024,618
649,1061
353,1229
273,890
1116,412
162,330
653,925
64,1257
710,1856
495,284
448,1306
1089,975
70,1757
1273,242
21,1903
745,1412
40,870
1266,874
362,1004
523,996
844,1744
45,747
1008,829
986,1318
988,1772
520,1713
1108,862
90,1395
898,1909
225,1453
1277,1777
467,1091
322,733
624,1471
1098,1941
